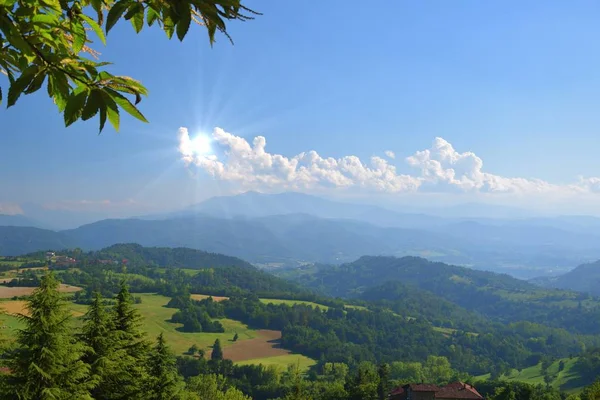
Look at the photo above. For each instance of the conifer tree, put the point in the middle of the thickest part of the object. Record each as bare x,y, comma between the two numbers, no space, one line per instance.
128,376
165,380
98,335
217,351
47,363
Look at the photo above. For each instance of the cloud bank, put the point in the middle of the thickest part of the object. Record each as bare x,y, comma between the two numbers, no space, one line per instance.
439,168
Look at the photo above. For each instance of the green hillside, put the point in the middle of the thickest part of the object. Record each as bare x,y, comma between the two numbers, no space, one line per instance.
568,379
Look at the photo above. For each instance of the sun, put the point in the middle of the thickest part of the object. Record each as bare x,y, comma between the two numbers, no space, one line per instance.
201,144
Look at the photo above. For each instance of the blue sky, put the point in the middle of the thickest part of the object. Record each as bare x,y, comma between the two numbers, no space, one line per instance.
517,84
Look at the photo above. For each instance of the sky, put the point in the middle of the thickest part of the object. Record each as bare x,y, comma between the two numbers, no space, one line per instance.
397,103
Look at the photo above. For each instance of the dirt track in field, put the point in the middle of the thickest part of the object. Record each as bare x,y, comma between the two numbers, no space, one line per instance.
266,344
9,292
204,296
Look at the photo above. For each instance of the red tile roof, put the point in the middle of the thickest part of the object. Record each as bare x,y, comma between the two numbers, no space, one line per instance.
423,387
458,390
452,391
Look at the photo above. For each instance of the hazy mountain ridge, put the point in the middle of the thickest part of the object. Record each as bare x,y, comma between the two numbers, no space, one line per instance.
585,278
312,229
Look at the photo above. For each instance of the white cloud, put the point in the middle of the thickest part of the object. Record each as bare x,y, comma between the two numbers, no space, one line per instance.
10,209
442,167
438,169
251,166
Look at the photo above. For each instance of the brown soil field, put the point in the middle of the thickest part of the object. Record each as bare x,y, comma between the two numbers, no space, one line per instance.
8,292
14,307
204,296
266,344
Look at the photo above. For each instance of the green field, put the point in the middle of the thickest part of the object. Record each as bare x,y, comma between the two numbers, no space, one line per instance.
282,361
156,320
566,380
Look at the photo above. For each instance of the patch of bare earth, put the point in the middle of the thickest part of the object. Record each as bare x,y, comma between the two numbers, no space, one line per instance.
204,296
266,344
16,307
9,292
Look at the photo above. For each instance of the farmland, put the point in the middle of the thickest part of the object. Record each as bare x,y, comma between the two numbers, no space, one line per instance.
252,346
10,292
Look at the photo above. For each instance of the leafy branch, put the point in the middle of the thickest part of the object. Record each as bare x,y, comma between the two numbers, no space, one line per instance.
46,41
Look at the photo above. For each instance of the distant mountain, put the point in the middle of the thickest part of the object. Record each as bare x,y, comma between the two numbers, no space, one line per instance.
254,204
16,240
523,251
584,278
16,220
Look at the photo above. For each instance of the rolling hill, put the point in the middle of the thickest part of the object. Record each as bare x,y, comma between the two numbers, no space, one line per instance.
499,297
584,278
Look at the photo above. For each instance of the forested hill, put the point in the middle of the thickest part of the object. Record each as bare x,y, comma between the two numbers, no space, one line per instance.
179,257
210,273
496,296
585,278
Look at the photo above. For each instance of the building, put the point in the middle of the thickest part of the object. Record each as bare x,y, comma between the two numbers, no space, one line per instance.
424,391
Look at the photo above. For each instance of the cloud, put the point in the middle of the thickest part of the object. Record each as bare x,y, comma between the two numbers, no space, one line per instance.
10,209
251,166
440,169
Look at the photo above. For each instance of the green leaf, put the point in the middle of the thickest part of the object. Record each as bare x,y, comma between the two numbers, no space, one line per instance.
58,88
95,27
112,111
36,83
49,19
138,19
115,13
0,95
102,117
133,10
152,16
185,18
126,105
75,104
169,23
92,105
17,87
79,36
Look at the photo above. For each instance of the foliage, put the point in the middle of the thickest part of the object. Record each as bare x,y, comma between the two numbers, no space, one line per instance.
217,351
48,361
165,382
49,40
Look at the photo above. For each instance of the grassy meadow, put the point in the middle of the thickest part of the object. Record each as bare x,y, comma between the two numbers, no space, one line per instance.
566,380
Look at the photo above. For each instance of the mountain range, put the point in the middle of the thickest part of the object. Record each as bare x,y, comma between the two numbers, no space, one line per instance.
293,228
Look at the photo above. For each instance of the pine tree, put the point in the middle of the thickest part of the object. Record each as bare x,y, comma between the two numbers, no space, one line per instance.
47,363
98,335
128,375
165,381
217,351
235,337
